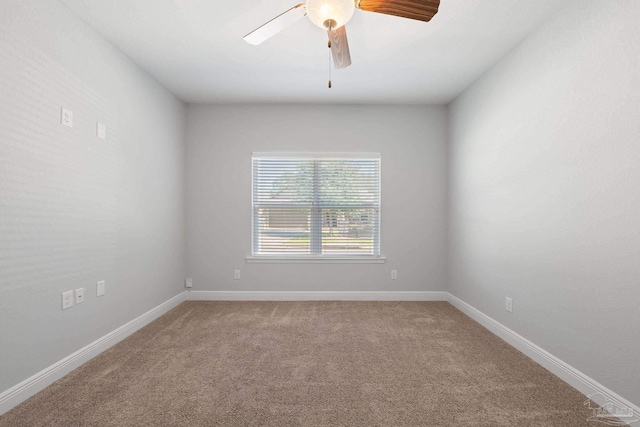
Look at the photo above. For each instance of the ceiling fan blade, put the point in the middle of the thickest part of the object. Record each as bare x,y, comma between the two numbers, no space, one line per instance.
422,10
340,47
276,25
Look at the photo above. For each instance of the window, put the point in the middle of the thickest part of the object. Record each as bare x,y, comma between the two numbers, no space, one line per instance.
316,205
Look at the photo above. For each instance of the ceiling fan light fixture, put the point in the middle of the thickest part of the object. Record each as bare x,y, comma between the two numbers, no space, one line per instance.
338,12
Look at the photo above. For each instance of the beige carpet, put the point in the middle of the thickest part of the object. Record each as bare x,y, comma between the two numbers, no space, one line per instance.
308,364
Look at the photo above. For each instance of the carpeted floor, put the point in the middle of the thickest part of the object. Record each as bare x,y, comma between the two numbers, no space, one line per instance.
308,364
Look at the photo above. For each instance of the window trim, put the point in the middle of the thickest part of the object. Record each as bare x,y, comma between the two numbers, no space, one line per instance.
319,259
316,258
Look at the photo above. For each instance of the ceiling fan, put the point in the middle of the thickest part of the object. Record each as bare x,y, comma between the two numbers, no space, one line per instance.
332,15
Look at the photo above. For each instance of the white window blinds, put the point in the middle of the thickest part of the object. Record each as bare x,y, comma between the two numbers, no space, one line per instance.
316,204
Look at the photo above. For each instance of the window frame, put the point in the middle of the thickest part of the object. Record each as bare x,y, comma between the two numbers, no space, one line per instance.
317,257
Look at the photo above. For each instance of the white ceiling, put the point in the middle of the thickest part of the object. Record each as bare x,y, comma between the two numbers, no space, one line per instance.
195,49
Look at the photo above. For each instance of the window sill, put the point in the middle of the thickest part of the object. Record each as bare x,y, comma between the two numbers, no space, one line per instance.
316,259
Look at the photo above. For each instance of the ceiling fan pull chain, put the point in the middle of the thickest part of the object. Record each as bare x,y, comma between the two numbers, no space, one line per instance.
329,44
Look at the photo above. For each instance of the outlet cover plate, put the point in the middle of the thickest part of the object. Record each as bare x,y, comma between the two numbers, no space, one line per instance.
67,300
66,117
509,305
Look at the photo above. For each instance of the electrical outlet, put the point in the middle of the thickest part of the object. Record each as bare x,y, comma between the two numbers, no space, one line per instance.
236,274
100,288
394,274
188,282
509,305
66,117
67,300
79,296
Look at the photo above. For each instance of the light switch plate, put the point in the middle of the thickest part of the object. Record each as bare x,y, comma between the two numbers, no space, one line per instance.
100,288
101,130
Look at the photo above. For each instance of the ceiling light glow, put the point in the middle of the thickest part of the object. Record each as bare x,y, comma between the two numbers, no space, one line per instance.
321,11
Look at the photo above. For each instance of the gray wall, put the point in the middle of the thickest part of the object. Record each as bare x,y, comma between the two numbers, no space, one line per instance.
412,142
545,184
75,209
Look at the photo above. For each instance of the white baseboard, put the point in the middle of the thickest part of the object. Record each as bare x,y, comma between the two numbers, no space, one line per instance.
578,380
581,382
314,296
27,388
